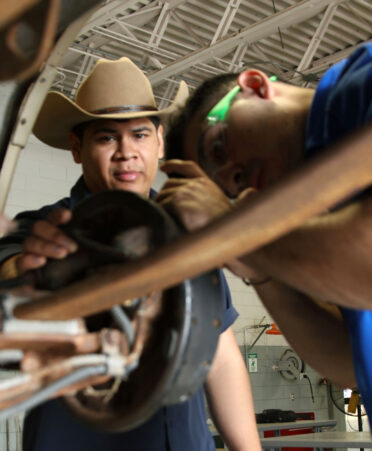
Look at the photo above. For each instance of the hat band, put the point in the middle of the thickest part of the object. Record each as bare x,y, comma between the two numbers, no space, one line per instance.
126,108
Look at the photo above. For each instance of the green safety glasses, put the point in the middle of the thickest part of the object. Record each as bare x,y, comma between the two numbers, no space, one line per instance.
219,111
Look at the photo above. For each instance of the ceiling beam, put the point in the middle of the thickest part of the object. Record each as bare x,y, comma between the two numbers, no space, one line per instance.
107,13
144,15
293,15
317,38
358,17
274,67
227,18
161,25
158,33
236,61
168,94
175,3
189,30
324,63
84,69
108,33
148,12
126,30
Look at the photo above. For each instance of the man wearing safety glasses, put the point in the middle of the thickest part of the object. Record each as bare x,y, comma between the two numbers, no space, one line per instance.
242,133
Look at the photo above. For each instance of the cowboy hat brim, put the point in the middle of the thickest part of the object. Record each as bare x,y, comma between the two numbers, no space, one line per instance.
59,115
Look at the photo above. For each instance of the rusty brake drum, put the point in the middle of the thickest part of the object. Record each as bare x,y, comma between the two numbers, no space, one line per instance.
117,226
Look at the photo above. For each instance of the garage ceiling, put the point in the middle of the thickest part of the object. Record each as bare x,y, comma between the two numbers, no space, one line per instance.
193,40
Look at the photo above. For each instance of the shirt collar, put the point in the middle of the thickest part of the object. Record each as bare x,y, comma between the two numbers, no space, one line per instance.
80,192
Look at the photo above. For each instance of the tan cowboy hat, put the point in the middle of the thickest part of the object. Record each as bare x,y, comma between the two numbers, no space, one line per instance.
113,90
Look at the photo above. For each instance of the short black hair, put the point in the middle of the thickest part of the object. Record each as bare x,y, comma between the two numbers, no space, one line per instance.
79,129
201,101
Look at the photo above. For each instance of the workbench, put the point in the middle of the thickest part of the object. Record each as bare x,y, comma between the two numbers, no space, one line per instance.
299,424
277,427
321,440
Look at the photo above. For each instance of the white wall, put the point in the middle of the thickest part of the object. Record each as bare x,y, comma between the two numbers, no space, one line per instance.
43,175
251,312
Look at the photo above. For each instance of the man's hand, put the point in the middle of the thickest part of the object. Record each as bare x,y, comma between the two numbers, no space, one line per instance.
196,201
47,241
193,198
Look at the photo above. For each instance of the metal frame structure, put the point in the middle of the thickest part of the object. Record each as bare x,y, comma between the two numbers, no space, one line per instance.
170,40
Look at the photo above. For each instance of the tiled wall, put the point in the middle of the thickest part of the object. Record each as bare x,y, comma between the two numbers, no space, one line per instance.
251,313
10,430
271,390
11,434
43,175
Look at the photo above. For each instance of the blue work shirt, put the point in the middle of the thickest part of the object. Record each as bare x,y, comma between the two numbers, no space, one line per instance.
343,104
50,427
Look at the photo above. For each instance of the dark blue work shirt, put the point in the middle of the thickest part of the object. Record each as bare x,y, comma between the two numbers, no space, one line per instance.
342,105
50,427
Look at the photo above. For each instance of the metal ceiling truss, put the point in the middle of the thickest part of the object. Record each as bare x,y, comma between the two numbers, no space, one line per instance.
191,40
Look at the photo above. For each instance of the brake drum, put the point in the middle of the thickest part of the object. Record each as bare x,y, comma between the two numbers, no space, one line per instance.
115,227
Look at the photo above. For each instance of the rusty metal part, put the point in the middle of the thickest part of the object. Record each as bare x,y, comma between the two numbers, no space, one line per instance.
308,192
149,309
59,337
106,394
172,363
10,11
28,29
21,101
168,326
26,42
12,389
114,401
44,342
40,369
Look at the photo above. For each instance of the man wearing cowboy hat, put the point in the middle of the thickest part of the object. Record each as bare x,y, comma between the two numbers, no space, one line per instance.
113,130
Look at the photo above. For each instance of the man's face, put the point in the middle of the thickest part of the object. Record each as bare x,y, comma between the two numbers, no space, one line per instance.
248,149
119,155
